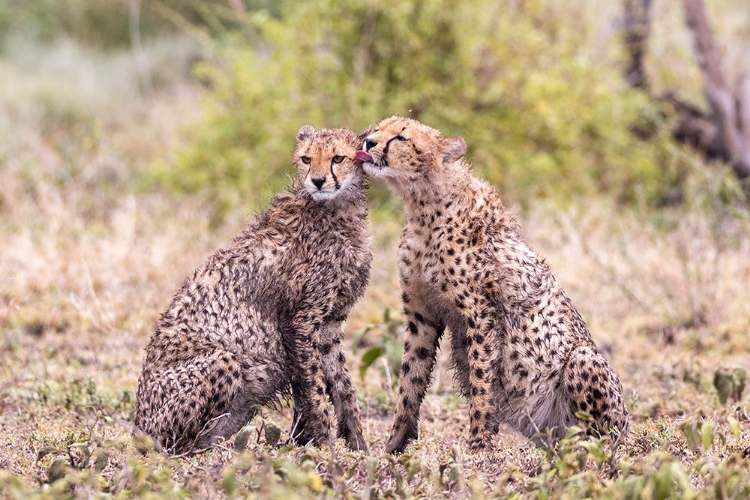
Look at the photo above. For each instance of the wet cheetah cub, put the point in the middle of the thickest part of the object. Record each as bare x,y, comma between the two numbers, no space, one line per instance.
263,315
522,353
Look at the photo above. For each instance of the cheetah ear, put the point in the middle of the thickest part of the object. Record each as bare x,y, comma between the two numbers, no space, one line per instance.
454,149
367,132
304,132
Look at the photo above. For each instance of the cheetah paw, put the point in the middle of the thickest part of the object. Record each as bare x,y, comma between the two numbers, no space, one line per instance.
477,444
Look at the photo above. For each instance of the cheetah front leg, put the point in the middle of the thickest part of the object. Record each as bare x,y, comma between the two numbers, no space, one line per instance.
341,389
480,357
420,348
308,382
299,434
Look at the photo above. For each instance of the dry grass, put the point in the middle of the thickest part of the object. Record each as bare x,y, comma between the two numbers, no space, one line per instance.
87,262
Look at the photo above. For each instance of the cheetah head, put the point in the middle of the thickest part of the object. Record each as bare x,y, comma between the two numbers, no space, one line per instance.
403,150
325,161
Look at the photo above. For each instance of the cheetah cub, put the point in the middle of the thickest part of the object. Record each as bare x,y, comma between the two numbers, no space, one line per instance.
522,353
264,314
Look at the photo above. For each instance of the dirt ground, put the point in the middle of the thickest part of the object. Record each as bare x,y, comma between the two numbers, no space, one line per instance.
87,262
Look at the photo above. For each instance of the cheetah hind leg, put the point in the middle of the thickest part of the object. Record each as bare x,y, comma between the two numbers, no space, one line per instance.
241,410
178,403
594,388
252,391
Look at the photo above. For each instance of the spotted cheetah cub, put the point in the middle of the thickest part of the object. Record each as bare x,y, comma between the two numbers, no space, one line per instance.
264,314
521,351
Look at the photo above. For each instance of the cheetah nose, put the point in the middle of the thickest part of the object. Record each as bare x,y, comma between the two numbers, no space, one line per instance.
318,181
369,143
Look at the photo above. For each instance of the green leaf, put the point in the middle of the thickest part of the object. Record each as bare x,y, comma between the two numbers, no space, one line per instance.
229,480
664,481
143,443
723,383
688,428
387,316
739,377
47,450
584,416
101,460
243,437
708,428
575,430
58,470
359,335
681,478
368,358
734,426
272,434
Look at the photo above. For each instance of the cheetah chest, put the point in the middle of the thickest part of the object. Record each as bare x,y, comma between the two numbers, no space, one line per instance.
436,271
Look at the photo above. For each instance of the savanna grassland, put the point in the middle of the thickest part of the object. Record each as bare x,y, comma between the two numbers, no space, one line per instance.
119,176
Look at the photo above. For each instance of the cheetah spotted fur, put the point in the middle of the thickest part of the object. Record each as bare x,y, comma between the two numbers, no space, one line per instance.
522,353
263,315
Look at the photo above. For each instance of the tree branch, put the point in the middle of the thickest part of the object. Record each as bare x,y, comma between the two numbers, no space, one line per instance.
724,133
637,26
743,106
723,102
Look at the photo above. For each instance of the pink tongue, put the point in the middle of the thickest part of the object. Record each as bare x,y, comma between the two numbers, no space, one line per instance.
362,157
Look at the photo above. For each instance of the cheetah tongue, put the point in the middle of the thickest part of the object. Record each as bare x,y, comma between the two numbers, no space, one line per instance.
362,157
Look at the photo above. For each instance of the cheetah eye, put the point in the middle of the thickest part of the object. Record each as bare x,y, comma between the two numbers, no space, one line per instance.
306,160
401,138
338,159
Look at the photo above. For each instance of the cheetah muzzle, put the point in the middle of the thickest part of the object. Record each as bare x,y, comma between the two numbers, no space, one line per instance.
375,160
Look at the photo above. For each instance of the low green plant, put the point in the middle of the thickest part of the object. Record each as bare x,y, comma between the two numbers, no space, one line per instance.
730,383
578,466
389,345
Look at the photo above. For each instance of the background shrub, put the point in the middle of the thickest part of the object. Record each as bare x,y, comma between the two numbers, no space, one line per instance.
544,111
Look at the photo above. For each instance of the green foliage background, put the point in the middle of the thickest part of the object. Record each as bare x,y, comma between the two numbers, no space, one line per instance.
544,109
535,87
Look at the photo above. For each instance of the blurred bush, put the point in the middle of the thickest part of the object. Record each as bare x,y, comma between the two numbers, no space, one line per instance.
534,87
98,23
540,100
